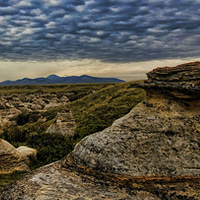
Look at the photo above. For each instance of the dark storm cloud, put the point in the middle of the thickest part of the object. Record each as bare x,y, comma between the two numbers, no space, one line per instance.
109,30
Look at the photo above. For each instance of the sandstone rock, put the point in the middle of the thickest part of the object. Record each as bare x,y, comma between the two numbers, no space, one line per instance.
10,113
10,159
162,140
8,105
55,182
25,152
182,81
186,72
36,107
24,109
52,105
64,124
64,99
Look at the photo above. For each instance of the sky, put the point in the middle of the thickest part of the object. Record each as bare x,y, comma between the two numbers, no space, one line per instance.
109,38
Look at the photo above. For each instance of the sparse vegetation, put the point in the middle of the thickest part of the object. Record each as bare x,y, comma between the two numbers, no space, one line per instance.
94,106
97,111
73,91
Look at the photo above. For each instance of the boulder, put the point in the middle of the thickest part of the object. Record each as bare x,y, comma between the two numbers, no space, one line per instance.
25,152
64,99
158,140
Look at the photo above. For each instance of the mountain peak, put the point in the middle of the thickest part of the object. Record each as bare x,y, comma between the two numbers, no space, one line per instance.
53,76
55,79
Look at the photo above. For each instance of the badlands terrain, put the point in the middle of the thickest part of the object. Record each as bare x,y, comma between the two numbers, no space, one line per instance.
152,152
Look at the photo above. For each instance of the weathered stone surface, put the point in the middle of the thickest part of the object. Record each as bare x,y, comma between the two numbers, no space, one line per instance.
162,140
55,182
186,72
182,81
10,159
64,124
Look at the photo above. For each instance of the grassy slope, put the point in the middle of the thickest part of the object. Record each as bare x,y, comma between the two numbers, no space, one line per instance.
94,106
97,111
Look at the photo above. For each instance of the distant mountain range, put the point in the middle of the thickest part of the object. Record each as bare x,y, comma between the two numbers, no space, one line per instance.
54,79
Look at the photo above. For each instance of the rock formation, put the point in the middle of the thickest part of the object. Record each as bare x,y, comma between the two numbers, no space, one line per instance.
12,159
64,123
14,104
25,152
182,81
151,153
158,137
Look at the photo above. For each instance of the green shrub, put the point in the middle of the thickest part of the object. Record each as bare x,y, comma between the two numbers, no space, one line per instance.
15,135
50,148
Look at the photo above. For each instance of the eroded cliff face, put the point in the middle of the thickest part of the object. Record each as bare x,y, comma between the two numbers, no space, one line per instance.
151,153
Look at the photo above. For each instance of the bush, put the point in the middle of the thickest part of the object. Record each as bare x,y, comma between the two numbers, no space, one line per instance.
50,148
15,135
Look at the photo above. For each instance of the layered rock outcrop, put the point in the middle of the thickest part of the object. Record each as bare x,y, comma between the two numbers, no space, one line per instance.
159,137
182,81
151,153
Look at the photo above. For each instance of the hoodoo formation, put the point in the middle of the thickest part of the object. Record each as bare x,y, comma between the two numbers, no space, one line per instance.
153,152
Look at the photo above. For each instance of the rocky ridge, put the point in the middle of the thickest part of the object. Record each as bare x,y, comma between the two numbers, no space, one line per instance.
151,153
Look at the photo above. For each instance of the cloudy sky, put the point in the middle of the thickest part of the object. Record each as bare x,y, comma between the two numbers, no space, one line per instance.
120,38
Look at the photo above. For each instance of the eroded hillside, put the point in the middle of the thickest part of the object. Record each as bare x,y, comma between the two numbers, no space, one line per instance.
150,153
